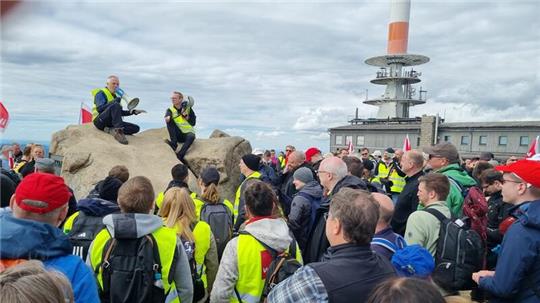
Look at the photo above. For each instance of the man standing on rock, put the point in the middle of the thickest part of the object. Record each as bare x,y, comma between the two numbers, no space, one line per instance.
180,119
107,112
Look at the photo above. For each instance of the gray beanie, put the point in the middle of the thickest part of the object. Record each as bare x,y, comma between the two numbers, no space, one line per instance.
303,174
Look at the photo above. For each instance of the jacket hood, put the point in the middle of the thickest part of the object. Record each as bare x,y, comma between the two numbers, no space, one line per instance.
131,226
273,232
531,218
27,239
458,174
97,207
313,189
351,182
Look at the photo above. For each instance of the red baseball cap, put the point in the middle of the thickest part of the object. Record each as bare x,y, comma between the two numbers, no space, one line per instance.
41,193
310,152
527,170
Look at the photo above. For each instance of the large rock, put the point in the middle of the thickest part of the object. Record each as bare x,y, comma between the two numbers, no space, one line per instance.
88,155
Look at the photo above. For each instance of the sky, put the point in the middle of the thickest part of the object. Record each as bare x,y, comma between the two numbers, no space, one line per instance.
275,73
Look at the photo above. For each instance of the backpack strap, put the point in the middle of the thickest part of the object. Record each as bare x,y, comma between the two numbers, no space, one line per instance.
384,243
436,213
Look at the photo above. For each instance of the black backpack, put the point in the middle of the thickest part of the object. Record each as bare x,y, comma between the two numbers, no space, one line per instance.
84,231
219,217
459,253
283,265
131,271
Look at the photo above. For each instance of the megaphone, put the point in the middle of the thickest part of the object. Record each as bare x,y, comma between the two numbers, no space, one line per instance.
129,104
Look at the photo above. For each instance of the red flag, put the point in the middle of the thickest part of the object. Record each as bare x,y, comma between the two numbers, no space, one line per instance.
535,147
406,144
86,114
4,117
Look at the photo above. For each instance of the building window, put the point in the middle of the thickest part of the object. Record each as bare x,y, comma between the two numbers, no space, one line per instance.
348,139
524,140
339,140
360,140
417,141
446,138
464,140
482,140
503,140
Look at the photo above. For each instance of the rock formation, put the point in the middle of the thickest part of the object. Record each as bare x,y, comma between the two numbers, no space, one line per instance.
88,154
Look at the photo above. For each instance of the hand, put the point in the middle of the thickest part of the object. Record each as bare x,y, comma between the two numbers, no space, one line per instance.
483,273
137,111
167,119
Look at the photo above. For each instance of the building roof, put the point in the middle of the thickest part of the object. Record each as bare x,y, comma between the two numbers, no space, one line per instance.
390,126
501,124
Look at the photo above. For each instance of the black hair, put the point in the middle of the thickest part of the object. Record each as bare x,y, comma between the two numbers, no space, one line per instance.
179,172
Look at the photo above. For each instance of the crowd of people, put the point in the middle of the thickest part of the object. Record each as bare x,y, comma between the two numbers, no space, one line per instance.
381,226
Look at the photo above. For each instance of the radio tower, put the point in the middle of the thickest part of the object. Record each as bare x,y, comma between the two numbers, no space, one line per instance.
399,94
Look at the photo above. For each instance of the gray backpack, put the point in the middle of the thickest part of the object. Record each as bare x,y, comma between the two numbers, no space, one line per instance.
219,217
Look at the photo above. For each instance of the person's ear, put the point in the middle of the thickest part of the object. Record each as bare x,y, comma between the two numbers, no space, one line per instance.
62,215
12,201
336,227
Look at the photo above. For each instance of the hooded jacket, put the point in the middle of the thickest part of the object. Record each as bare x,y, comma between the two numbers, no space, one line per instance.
300,217
27,239
129,225
454,201
518,266
318,243
273,232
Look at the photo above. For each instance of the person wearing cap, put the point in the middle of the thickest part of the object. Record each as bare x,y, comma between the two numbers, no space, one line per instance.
208,183
30,231
249,168
314,157
388,173
352,269
444,158
46,165
517,274
304,205
180,120
287,190
107,111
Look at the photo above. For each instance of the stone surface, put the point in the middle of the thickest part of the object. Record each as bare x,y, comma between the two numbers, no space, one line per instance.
88,155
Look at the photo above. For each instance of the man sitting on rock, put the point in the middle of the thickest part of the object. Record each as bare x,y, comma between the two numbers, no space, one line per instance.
180,119
107,112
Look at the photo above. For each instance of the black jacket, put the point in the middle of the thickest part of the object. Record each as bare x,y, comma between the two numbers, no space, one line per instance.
287,189
318,243
498,210
352,272
301,208
406,204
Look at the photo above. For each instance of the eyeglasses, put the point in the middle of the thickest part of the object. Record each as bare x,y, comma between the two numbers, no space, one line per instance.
323,171
512,181
288,150
364,154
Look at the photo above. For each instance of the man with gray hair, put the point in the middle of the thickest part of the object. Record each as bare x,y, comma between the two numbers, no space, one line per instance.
353,269
107,112
333,176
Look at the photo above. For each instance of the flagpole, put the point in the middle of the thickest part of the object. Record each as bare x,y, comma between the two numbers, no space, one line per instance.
80,113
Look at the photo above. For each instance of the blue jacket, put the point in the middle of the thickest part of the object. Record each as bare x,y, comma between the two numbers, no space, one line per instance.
26,239
518,266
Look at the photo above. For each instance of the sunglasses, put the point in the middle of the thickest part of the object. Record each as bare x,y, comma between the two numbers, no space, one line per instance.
364,154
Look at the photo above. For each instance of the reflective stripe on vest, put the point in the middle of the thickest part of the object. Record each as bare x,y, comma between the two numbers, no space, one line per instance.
250,282
180,122
166,243
199,203
68,225
108,95
254,175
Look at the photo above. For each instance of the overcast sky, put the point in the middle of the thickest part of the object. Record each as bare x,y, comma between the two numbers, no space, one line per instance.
275,73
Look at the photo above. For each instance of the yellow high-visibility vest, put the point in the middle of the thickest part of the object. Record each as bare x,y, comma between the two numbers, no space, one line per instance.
107,93
254,175
180,122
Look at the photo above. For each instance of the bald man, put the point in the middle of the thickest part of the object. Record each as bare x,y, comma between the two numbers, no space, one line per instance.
296,159
385,241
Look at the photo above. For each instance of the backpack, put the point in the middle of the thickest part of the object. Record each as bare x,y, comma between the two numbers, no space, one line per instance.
475,207
131,271
283,265
219,217
315,204
459,253
84,231
391,246
198,284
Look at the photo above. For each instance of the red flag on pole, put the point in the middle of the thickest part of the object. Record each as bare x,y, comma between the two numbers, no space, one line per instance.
406,144
535,147
4,117
85,115
351,148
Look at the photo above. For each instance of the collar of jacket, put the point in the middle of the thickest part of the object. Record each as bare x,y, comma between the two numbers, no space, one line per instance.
349,250
415,176
176,183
